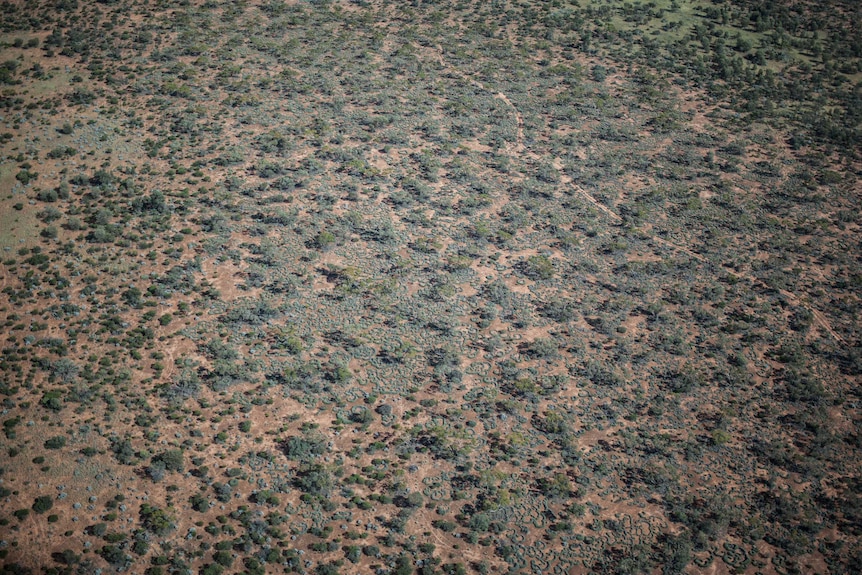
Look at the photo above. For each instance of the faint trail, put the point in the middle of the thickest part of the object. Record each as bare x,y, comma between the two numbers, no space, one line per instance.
819,318
519,150
519,119
597,204
39,533
519,137
170,364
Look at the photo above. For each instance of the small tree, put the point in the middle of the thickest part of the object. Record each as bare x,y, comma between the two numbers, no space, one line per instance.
324,240
156,470
539,268
156,520
56,442
42,504
172,458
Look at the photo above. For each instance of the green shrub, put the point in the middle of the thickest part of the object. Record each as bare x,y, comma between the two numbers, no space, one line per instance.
42,504
539,267
26,176
156,520
172,460
56,442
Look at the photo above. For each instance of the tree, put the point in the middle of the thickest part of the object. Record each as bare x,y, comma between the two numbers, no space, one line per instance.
97,530
199,503
223,491
324,240
306,447
56,442
412,500
542,348
123,451
156,520
403,565
539,268
314,479
65,370
156,470
556,486
327,569
42,504
66,557
114,555
361,415
52,400
172,459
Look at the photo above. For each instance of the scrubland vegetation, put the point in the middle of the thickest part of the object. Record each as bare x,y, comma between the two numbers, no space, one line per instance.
430,287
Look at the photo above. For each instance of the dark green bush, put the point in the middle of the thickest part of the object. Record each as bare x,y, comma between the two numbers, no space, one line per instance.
42,504
56,442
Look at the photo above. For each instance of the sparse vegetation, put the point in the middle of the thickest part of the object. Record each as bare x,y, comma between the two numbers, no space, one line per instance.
430,287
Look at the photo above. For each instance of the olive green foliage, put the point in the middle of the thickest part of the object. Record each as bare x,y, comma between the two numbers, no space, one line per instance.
430,287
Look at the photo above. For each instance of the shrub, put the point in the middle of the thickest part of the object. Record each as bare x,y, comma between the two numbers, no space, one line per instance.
539,268
81,97
114,555
62,152
172,459
314,479
443,525
305,447
156,520
123,451
324,240
542,348
42,504
156,470
371,551
26,176
52,400
56,442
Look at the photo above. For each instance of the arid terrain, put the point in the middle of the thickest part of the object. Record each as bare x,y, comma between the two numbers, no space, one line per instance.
434,287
